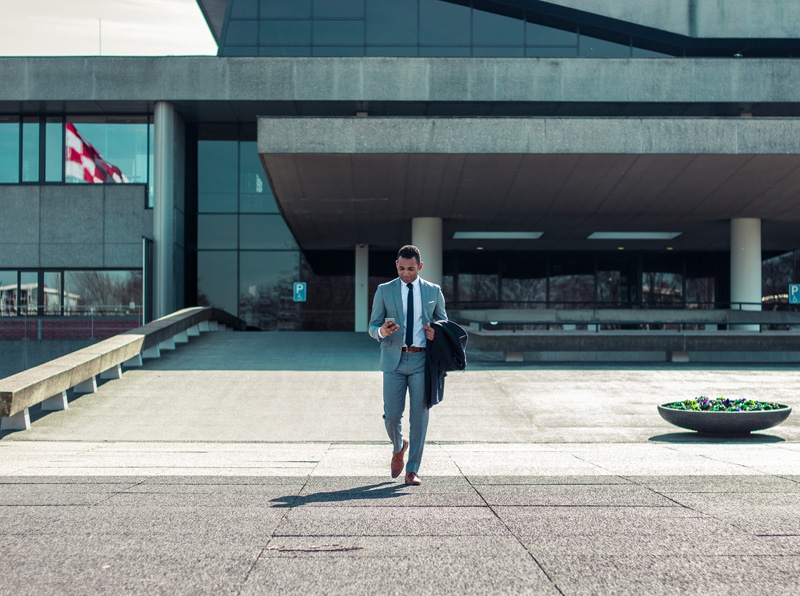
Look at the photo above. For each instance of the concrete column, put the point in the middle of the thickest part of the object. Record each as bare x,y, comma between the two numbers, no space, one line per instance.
164,209
746,266
362,287
426,235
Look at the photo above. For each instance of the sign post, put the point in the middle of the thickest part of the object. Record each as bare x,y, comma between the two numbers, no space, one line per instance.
794,293
299,291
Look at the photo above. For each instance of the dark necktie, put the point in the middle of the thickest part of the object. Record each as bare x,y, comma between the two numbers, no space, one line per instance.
410,316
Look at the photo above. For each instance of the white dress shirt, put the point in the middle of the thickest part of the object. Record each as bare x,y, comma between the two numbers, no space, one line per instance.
419,332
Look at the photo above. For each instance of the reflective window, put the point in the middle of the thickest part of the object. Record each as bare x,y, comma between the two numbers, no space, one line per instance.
241,33
492,29
216,279
443,23
101,292
30,150
662,280
217,231
8,293
54,150
285,8
52,292
539,35
339,33
290,33
266,289
217,174
776,275
339,8
28,297
265,231
244,8
391,22
572,282
97,149
255,192
9,150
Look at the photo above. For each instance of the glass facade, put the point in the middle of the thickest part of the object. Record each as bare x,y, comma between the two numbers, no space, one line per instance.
33,149
247,259
67,292
412,28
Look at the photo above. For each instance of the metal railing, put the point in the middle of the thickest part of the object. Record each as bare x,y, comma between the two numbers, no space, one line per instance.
69,322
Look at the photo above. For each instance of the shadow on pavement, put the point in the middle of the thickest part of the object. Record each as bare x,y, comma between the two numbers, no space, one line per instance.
699,438
370,492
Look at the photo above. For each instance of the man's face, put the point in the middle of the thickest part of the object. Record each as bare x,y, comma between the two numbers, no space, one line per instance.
408,269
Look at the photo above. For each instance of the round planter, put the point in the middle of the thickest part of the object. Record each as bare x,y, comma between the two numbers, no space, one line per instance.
725,423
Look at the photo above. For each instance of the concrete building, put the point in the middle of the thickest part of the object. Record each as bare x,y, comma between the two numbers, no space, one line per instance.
559,154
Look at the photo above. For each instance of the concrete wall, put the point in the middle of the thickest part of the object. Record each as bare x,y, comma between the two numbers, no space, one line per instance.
177,79
701,18
528,135
19,355
73,225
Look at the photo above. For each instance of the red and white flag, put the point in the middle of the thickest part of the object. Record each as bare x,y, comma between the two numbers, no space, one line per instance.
85,163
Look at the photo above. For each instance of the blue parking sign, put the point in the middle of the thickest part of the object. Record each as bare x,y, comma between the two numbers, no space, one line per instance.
794,293
300,291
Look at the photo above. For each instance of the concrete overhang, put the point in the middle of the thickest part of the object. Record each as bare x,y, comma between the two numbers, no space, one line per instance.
346,181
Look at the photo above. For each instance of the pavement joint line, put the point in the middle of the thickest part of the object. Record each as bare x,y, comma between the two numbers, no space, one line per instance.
505,525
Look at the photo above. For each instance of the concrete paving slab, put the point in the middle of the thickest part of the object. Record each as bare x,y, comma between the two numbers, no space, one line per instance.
669,575
412,570
47,495
390,521
574,495
548,480
739,483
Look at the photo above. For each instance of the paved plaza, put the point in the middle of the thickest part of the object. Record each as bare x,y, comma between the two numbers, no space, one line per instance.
257,463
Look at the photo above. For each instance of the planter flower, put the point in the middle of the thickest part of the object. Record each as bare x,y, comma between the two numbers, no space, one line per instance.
724,416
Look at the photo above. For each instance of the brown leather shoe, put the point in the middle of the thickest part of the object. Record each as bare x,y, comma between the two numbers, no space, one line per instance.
412,479
397,460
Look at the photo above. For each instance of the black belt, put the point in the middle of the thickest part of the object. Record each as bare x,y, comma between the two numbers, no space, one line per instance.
412,349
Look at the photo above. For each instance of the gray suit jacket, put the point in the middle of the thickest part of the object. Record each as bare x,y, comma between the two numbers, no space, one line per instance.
388,302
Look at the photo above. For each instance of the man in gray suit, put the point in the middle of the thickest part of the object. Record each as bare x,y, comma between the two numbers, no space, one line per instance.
406,305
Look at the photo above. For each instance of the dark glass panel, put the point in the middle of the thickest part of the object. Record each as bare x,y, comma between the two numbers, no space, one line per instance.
551,52
28,297
540,35
591,47
700,292
244,9
217,173
498,51
284,51
54,150
524,281
662,280
151,166
478,289
445,51
341,33
498,29
444,23
776,275
392,22
241,33
217,231
255,192
265,232
30,150
616,280
266,289
285,9
91,291
339,9
8,293
52,292
217,279
290,33
572,282
338,50
392,51
9,150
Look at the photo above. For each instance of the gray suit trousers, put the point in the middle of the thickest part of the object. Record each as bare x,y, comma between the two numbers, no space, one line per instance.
409,376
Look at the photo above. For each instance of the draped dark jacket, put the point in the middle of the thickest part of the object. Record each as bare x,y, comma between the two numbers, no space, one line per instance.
447,351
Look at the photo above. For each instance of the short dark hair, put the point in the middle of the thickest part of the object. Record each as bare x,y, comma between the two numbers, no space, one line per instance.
409,251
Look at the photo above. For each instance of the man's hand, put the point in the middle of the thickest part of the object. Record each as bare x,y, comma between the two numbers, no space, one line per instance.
388,328
429,331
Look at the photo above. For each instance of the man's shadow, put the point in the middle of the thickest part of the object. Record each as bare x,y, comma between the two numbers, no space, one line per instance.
382,490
